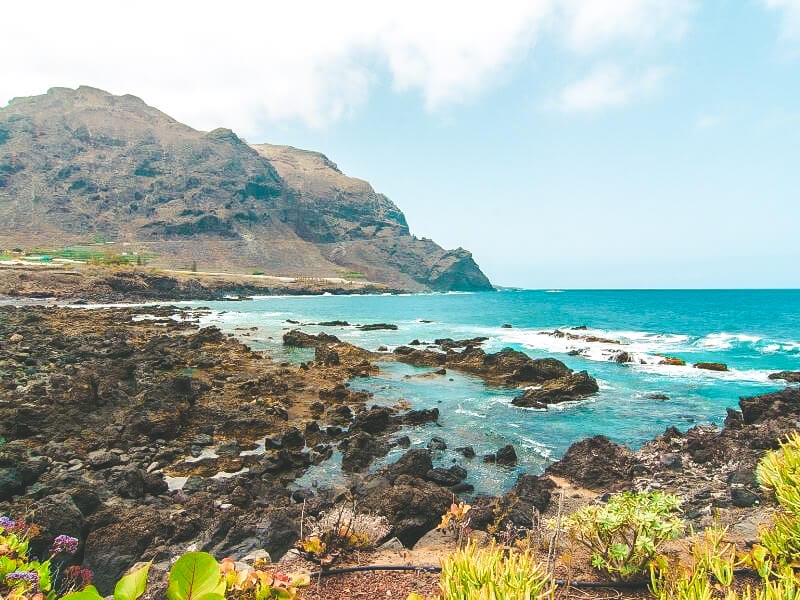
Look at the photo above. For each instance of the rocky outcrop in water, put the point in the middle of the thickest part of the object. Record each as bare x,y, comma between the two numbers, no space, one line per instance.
787,376
574,386
550,380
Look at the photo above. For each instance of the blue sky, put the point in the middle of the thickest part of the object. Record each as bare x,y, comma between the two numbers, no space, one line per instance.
584,143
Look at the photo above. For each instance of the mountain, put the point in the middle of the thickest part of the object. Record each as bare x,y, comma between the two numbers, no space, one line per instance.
84,165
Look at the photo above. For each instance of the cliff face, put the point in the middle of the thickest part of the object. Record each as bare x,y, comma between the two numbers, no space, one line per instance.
83,165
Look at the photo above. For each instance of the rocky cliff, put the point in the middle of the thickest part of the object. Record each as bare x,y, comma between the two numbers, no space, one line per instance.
80,166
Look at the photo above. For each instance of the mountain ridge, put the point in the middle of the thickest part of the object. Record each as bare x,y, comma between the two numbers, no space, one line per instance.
86,164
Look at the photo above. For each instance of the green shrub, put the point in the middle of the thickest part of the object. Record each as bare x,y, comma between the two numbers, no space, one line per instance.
481,573
625,533
778,472
782,539
711,570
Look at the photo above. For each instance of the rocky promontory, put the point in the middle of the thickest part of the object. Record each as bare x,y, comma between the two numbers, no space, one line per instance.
85,167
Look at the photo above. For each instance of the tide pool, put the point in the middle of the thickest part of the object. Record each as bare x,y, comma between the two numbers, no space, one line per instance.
754,332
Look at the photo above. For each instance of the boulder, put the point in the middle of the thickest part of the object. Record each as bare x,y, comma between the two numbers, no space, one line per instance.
596,463
504,456
788,376
415,462
574,386
374,420
673,361
711,366
359,450
437,444
447,477
418,417
466,451
377,327
301,339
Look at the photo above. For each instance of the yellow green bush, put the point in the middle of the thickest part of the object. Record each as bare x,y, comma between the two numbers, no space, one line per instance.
493,573
625,533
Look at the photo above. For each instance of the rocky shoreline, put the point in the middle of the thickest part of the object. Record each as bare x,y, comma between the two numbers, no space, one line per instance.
143,435
91,284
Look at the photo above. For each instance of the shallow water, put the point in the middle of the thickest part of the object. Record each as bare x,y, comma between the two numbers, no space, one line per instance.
753,332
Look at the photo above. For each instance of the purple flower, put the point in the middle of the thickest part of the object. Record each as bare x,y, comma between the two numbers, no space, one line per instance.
31,577
66,544
7,523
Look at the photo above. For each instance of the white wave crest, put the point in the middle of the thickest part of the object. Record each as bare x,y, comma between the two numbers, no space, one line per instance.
725,341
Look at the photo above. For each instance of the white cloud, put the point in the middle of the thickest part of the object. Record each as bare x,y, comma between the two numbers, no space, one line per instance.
609,86
244,64
590,24
791,16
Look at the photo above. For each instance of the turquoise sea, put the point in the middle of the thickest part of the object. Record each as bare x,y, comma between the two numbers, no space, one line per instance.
755,332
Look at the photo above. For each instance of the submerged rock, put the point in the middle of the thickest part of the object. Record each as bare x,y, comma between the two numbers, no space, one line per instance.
377,327
711,366
672,360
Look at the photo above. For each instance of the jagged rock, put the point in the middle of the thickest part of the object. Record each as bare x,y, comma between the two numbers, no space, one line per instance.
300,339
516,508
416,462
596,463
451,344
507,367
419,417
788,376
466,451
574,386
359,450
504,456
374,420
758,409
742,497
621,357
437,444
447,477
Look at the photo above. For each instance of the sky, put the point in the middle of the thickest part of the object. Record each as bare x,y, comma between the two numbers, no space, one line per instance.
567,144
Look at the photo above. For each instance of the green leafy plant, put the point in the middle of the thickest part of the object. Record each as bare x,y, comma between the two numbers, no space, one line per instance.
474,573
196,576
625,533
87,593
132,585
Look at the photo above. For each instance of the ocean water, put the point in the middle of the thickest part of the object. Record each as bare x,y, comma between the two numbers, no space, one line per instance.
754,332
